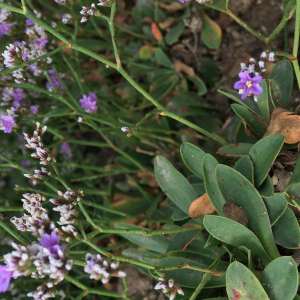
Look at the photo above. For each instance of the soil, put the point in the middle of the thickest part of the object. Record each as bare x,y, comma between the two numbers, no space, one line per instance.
140,286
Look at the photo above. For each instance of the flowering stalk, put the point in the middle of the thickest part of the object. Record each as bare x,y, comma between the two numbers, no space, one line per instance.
117,67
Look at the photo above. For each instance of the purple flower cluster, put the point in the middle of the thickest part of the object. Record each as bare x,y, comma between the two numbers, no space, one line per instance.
7,123
250,78
46,258
101,269
248,85
51,243
5,27
169,286
53,80
35,142
87,13
104,2
66,151
89,103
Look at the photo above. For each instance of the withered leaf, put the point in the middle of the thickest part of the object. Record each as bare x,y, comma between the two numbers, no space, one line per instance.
286,123
235,213
181,67
201,207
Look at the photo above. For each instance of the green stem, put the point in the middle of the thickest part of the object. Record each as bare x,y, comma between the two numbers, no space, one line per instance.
190,267
207,276
12,233
214,137
88,217
145,232
235,18
140,89
286,17
296,43
58,176
297,31
112,32
297,71
92,291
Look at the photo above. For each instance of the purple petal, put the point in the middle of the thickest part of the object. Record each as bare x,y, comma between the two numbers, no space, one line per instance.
244,76
245,93
257,79
239,85
256,89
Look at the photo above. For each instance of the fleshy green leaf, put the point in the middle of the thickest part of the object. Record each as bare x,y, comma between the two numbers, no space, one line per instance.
249,118
179,215
237,149
274,279
212,33
162,58
236,234
242,137
248,102
192,157
286,230
282,73
235,187
293,193
263,154
276,98
199,83
174,184
245,166
173,35
211,187
263,102
266,189
296,173
156,243
241,284
187,277
276,206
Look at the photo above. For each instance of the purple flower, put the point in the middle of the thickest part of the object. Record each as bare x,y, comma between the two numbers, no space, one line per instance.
29,22
51,72
33,67
25,163
51,242
41,42
65,148
18,94
66,151
7,123
248,84
55,83
34,109
5,277
89,103
5,29
182,1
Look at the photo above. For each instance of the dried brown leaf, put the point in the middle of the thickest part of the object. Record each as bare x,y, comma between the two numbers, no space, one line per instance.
201,207
235,213
286,123
181,67
166,24
150,179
